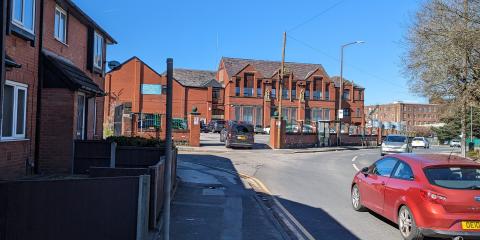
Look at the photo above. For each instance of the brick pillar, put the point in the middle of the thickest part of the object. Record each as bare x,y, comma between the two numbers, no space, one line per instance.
274,128
194,125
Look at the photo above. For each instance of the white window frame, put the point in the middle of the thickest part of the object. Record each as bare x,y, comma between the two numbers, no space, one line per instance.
17,86
95,48
21,24
61,12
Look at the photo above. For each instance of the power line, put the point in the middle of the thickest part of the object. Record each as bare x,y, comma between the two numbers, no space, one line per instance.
315,16
338,60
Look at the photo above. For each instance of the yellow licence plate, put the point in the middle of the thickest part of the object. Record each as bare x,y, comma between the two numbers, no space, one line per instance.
241,137
471,225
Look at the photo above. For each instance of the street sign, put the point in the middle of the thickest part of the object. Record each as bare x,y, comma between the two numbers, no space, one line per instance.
340,114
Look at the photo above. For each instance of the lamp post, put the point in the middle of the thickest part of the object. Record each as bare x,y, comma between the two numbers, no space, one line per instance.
340,109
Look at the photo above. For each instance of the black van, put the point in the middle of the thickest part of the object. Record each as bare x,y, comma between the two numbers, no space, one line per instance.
237,134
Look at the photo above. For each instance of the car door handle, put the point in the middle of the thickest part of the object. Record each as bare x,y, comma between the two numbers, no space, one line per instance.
383,183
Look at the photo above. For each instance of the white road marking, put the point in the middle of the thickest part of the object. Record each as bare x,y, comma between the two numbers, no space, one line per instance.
354,158
355,166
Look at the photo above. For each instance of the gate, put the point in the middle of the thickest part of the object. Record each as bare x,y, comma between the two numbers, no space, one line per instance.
323,133
117,120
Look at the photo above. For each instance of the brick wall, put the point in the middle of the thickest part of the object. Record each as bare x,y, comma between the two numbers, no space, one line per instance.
16,155
57,131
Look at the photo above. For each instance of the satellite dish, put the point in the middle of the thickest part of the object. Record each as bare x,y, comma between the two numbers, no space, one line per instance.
113,64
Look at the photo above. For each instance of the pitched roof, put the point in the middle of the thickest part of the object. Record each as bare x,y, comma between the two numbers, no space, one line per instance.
71,76
195,78
85,19
269,68
336,80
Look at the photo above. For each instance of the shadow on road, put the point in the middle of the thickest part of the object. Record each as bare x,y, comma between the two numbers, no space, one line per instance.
317,222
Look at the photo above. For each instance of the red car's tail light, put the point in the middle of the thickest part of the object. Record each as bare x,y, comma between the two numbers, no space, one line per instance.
433,197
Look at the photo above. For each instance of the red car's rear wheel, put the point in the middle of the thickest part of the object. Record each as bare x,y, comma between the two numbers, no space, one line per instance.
407,226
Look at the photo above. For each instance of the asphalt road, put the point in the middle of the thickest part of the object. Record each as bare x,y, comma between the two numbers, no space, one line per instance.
315,188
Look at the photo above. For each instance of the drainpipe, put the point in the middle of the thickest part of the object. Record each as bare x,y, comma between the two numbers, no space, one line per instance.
3,23
39,92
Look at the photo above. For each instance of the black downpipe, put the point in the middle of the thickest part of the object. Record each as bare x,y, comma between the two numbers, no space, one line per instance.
39,92
3,27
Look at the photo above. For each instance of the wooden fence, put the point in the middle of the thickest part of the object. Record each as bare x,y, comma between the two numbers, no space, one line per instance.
88,208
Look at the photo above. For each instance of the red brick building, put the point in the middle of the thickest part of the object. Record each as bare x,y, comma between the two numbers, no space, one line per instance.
309,94
52,92
408,116
134,87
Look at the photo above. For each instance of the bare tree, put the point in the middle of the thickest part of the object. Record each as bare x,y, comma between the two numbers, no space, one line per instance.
443,54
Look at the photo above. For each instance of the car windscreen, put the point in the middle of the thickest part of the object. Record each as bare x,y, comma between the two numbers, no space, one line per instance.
454,177
242,129
396,139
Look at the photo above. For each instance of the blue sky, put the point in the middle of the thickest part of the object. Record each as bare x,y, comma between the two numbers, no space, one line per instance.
197,33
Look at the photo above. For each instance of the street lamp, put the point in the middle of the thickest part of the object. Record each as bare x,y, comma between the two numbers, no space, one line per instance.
340,109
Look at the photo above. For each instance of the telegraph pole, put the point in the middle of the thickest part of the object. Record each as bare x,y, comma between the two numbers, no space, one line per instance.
168,152
280,83
464,98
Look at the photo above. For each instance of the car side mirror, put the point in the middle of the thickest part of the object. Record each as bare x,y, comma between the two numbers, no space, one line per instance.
365,171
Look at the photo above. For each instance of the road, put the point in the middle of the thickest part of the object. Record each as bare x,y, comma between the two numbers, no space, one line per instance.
315,189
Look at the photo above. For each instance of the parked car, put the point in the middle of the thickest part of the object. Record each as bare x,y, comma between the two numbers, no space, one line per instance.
420,142
238,134
426,195
259,129
455,143
266,130
203,127
216,126
395,144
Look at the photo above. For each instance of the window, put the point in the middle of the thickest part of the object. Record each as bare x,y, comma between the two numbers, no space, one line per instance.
384,167
248,85
327,92
248,114
294,90
403,171
237,113
98,51
454,177
14,110
60,31
346,112
317,92
317,114
326,113
237,87
285,88
23,14
274,89
259,88
346,94
357,114
307,91
259,116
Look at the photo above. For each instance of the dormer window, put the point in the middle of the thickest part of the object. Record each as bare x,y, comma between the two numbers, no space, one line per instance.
98,51
23,14
60,25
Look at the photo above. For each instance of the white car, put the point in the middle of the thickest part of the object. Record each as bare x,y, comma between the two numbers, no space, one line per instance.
455,143
266,130
420,142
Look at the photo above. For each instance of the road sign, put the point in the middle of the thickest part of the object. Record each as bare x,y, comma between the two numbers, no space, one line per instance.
340,114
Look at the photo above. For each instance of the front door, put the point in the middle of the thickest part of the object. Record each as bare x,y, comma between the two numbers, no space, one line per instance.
80,130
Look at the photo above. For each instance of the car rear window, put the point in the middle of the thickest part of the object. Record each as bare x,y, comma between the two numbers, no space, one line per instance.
242,129
396,139
454,177
417,139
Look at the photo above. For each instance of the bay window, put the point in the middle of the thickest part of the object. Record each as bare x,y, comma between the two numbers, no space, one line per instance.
14,110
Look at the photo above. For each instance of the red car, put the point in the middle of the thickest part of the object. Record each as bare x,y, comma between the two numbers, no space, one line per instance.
426,195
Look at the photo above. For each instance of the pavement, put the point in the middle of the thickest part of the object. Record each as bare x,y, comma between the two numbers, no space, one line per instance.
211,203
312,187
